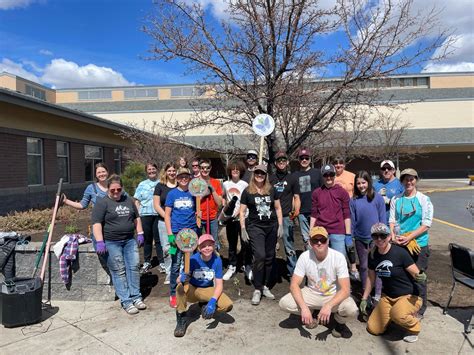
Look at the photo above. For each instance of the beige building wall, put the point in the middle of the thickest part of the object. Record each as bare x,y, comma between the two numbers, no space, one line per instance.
66,96
8,82
118,95
461,81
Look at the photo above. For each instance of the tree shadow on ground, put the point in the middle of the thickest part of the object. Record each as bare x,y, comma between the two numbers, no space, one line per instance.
294,322
147,282
194,313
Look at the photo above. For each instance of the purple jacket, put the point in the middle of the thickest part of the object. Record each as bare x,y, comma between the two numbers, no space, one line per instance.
330,207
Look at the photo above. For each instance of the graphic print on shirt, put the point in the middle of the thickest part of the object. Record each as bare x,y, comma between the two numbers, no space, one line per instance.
183,202
122,211
305,183
383,268
321,285
204,274
280,186
234,192
262,205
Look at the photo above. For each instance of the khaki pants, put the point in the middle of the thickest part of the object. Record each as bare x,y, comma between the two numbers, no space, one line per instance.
197,294
400,310
342,312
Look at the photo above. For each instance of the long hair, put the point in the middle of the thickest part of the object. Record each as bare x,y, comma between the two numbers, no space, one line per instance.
235,164
163,175
100,165
370,189
252,189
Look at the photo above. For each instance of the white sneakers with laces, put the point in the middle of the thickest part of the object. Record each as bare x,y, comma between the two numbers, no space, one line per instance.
229,273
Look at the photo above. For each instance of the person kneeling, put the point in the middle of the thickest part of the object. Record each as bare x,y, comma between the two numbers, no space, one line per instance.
328,286
205,285
400,300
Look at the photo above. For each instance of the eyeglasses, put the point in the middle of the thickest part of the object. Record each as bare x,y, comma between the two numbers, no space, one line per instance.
114,191
386,168
304,158
205,168
329,175
315,241
195,165
379,236
251,157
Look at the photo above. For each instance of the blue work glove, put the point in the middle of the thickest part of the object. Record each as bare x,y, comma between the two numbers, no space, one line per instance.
348,240
183,277
140,239
100,247
173,248
210,309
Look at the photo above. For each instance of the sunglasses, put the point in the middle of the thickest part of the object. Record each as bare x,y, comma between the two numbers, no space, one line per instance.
195,165
315,241
379,236
260,173
386,168
205,168
281,160
329,175
251,157
304,158
181,177
114,191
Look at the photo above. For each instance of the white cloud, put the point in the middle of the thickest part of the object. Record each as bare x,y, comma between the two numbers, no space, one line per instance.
45,52
14,4
456,67
60,73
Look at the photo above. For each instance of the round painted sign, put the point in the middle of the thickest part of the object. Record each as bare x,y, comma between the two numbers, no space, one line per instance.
187,240
198,187
263,125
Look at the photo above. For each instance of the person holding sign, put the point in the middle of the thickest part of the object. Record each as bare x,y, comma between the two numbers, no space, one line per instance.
180,212
205,285
262,227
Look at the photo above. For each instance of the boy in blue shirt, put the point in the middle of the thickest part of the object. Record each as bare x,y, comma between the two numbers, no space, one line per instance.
205,285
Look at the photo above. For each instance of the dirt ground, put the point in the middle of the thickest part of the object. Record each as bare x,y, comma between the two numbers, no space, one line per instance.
439,271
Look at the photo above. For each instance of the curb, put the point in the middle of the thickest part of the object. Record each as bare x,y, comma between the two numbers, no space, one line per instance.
448,189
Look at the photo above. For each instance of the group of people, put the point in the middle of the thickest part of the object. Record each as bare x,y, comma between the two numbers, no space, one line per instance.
342,217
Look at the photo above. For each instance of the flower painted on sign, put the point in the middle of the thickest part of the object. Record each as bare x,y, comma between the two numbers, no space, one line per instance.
263,123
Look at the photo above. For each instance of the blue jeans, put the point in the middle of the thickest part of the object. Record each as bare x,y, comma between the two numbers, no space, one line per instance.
213,229
304,226
123,262
176,260
289,243
338,242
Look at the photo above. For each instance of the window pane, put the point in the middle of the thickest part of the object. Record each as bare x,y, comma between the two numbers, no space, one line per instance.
33,145
129,94
61,149
63,169
116,153
83,95
89,167
176,91
92,151
34,170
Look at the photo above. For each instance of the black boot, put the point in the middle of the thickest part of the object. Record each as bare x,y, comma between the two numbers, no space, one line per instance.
180,329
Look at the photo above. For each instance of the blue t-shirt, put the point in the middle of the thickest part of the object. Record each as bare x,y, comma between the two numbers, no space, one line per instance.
392,189
92,193
183,209
144,194
365,214
203,272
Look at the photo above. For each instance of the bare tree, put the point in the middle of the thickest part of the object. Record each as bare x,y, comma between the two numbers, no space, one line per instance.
267,57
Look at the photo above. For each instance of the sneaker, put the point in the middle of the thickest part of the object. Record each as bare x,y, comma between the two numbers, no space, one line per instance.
161,268
410,338
167,279
145,267
139,304
341,331
131,309
229,273
354,275
266,292
256,297
173,301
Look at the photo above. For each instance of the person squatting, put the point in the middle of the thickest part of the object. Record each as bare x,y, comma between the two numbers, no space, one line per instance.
343,217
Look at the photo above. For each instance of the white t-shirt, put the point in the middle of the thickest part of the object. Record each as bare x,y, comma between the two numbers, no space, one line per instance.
322,275
232,189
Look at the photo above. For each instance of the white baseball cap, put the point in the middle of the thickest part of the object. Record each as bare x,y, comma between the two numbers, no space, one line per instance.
387,162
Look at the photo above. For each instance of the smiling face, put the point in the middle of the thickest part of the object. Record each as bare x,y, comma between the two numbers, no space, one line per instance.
329,179
387,172
171,174
205,170
362,185
115,191
339,166
305,161
381,240
259,176
195,167
409,182
101,174
183,180
281,164
251,160
152,172
319,244
207,248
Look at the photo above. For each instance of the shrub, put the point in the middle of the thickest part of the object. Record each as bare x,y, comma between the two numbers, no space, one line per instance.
133,174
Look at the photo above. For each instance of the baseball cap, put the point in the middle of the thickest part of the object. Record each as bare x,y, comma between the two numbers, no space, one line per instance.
387,162
328,168
380,228
408,171
182,171
204,238
304,152
315,231
252,152
261,167
280,154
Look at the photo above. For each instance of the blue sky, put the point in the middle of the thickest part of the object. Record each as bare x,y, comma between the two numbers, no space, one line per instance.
72,43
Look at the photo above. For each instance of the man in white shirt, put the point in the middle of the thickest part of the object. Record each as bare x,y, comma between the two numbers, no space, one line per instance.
328,287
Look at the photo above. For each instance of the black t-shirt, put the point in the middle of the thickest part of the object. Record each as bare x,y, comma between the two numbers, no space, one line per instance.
117,217
261,207
307,181
162,191
285,187
391,268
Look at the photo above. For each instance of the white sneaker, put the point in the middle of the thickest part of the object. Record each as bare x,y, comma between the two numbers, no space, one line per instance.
145,267
256,297
162,268
167,279
229,273
410,338
266,292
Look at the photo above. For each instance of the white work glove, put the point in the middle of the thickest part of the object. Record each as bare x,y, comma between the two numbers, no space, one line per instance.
244,235
280,231
386,200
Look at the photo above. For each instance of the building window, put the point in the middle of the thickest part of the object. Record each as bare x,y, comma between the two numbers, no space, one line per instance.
93,155
140,93
35,161
95,95
117,161
62,152
35,92
187,91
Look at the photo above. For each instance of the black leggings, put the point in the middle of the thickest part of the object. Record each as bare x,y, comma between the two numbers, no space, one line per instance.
233,232
263,240
150,229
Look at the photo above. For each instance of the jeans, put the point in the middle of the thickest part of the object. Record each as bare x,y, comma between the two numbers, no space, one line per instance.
213,229
123,262
150,229
165,245
337,242
176,260
304,226
363,250
289,243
